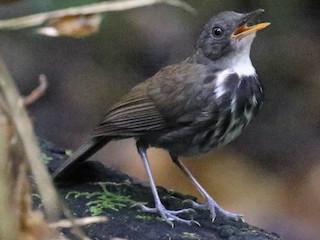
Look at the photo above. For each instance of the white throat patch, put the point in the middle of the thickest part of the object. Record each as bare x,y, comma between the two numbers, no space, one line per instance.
243,66
240,62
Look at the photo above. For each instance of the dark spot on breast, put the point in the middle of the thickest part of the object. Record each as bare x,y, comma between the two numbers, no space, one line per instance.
232,81
206,139
249,105
209,79
248,88
225,123
236,126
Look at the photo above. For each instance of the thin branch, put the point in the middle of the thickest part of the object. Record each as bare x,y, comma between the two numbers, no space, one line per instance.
110,6
15,201
8,226
24,131
79,222
37,92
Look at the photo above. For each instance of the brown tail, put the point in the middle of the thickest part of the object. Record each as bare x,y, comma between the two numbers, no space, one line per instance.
80,155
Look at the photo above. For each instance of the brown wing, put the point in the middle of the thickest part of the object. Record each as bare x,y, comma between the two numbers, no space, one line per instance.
168,99
184,94
134,115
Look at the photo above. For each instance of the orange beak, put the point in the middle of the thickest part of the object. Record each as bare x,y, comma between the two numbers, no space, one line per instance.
246,30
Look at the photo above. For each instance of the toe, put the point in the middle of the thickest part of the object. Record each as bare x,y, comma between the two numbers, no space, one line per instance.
193,203
144,208
187,210
233,216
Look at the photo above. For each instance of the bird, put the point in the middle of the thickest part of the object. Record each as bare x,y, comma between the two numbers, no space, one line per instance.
188,108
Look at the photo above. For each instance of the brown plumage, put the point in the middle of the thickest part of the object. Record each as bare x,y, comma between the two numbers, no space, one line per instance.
187,108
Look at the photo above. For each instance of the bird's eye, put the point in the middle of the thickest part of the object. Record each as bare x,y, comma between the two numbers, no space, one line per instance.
217,32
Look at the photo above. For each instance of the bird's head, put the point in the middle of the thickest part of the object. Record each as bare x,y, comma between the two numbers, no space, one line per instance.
228,34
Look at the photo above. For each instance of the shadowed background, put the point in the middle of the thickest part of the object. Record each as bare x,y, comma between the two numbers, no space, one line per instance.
271,173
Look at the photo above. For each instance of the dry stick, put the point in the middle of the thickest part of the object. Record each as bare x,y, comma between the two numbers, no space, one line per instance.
14,109
37,92
22,124
8,226
79,222
110,6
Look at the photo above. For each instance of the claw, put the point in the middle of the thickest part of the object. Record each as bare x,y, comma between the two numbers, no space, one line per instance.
170,222
196,223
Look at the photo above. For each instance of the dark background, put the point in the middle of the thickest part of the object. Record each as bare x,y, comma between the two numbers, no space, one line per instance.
271,173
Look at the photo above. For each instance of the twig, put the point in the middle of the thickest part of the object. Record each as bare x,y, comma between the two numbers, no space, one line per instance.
30,151
20,221
79,222
8,226
37,92
109,6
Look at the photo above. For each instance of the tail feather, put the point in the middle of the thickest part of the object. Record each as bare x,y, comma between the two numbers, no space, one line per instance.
80,155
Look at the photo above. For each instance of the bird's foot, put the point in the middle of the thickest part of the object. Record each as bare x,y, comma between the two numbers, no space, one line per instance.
213,207
169,216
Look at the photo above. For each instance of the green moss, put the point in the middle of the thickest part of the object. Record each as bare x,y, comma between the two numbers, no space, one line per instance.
188,235
171,191
99,201
148,217
68,152
144,217
45,158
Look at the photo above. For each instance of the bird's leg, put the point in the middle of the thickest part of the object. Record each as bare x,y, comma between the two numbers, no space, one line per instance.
210,203
167,215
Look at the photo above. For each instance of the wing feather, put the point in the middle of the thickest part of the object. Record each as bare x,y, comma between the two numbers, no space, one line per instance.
134,115
148,106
